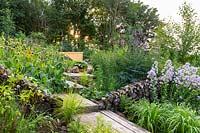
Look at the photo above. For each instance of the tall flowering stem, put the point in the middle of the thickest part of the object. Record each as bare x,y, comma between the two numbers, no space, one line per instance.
153,81
174,83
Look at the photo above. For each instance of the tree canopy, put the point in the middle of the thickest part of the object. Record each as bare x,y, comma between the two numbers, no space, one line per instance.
79,20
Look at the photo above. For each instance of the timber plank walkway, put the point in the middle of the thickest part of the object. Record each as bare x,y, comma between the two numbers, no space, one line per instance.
118,123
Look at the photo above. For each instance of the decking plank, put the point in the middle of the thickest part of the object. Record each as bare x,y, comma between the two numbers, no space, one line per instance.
117,122
124,122
91,119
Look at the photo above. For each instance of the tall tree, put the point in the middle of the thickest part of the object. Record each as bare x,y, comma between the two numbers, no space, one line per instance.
179,42
66,15
143,21
108,14
6,23
29,15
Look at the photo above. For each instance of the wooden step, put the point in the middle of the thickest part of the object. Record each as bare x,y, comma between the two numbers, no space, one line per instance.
74,85
76,77
118,123
88,106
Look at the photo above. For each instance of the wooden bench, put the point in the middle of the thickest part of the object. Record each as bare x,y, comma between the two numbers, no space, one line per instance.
75,56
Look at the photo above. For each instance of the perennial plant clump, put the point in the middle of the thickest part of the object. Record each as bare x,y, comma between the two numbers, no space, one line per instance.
163,118
185,75
43,64
178,85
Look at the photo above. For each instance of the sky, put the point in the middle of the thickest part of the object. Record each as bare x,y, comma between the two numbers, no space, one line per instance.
168,9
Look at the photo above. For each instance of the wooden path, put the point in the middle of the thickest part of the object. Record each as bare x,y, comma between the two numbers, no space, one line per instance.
118,123
91,110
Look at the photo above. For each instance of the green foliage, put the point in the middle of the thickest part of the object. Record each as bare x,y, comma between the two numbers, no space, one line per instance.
70,14
95,90
93,93
179,42
99,77
125,102
116,68
95,21
29,15
108,14
84,79
37,35
163,117
81,65
143,18
20,35
11,117
44,65
67,108
181,94
101,127
119,67
77,127
6,22
13,121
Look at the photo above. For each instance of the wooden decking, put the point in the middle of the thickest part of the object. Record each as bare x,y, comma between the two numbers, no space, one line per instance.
91,112
118,123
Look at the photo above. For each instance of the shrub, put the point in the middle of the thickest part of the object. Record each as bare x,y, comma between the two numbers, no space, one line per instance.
44,65
164,117
11,117
180,42
20,35
118,67
37,37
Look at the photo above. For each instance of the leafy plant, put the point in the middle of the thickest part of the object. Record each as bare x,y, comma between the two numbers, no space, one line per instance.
100,127
67,108
11,117
118,67
92,93
81,65
43,64
163,117
84,79
179,42
77,127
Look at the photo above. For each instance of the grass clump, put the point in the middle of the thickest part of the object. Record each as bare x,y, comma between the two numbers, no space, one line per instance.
163,117
68,107
101,127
